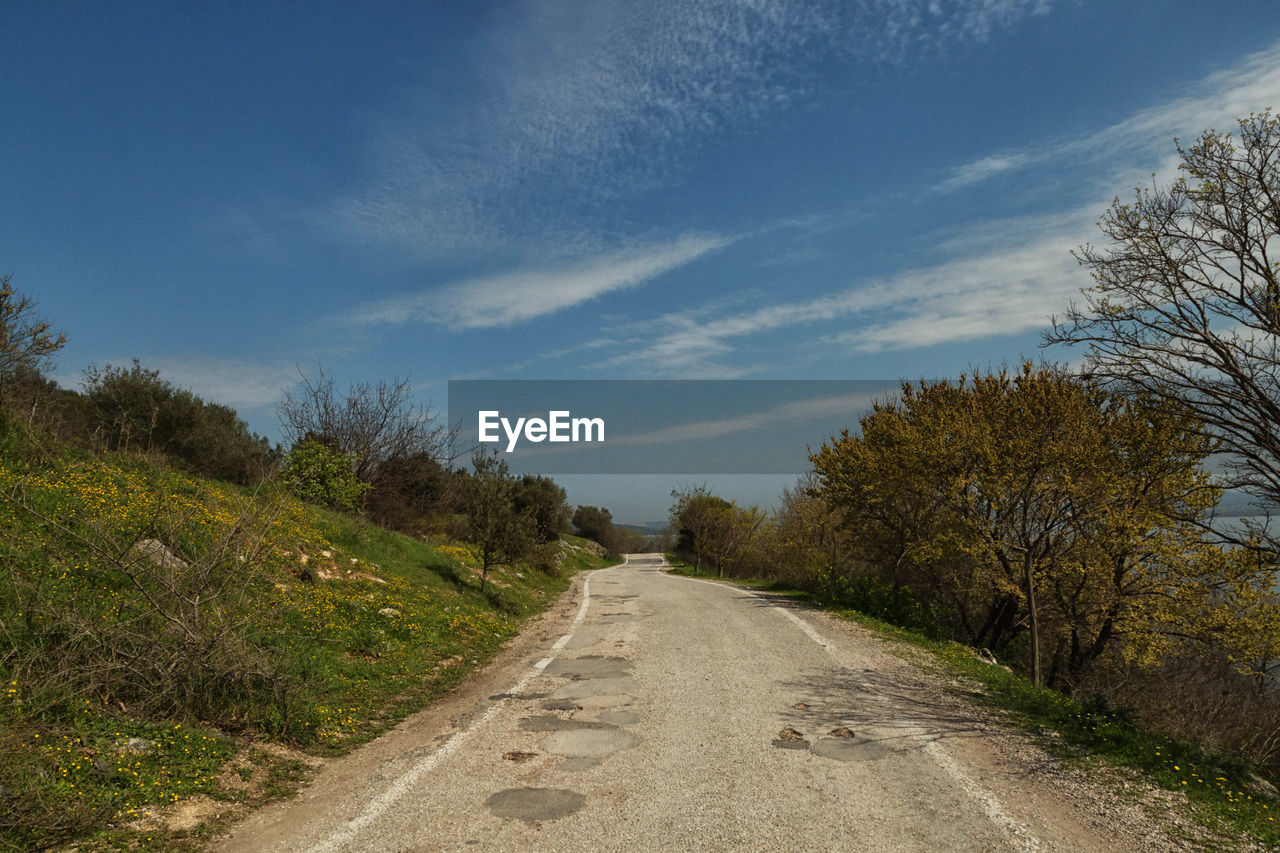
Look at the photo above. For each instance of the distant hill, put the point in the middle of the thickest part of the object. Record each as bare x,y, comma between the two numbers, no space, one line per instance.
648,528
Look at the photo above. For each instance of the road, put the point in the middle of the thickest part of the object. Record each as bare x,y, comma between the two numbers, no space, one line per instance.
654,712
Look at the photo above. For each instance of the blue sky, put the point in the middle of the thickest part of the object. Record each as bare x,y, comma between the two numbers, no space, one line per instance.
596,190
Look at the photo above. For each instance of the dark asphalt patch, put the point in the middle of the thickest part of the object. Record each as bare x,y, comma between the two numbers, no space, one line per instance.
589,666
597,687
561,705
589,743
850,749
558,724
790,744
533,804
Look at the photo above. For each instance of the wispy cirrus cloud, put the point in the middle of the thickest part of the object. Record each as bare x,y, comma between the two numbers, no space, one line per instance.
1251,85
525,294
1003,290
601,101
238,383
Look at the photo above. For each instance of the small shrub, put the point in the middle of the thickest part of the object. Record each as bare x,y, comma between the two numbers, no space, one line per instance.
316,474
546,558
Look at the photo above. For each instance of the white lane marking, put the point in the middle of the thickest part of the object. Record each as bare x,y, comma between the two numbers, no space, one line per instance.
397,789
577,620
1022,836
986,800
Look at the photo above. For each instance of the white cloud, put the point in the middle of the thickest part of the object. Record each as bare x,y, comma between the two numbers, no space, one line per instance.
987,167
515,297
1217,102
232,382
1003,291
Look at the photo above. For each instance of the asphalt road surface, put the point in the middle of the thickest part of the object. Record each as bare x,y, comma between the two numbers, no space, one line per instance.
653,712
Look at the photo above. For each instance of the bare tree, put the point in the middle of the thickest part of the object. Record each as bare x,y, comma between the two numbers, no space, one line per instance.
1186,302
375,423
26,341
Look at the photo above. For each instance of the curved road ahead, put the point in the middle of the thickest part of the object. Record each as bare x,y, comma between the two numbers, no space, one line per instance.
653,712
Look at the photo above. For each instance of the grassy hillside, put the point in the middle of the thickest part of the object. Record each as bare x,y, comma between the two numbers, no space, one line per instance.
155,629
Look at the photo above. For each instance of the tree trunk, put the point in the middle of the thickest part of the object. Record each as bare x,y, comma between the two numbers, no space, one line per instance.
1033,619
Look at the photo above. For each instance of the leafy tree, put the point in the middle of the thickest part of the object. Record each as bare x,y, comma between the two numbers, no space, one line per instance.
26,341
134,409
692,516
810,546
499,532
595,523
1185,305
713,529
1055,509
316,473
543,501
406,492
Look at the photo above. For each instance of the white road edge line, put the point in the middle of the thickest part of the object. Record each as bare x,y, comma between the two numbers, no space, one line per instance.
986,800
397,789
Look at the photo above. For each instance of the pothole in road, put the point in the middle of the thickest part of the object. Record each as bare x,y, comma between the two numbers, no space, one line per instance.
842,731
589,743
589,667
596,687
849,749
533,804
619,718
519,757
561,705
558,724
801,706
498,697
605,701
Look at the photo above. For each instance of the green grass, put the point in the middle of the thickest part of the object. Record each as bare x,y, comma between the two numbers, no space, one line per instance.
362,627
1219,789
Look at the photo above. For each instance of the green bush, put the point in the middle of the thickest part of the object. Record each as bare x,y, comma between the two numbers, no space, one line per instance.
316,474
135,410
